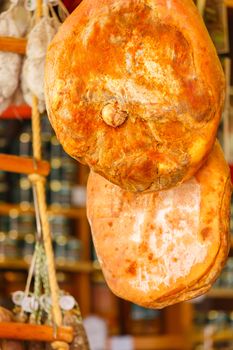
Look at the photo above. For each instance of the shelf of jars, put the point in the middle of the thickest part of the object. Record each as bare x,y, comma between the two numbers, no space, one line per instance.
163,342
218,293
209,333
72,267
69,212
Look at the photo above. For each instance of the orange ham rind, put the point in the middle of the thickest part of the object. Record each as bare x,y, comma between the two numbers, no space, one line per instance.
160,248
135,90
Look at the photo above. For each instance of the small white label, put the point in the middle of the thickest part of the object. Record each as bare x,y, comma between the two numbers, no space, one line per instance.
30,304
78,196
67,302
123,343
96,329
17,297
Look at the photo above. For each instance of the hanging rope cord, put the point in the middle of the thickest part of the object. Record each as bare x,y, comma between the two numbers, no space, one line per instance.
38,182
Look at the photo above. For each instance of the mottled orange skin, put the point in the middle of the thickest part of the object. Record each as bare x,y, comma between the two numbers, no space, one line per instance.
154,60
113,213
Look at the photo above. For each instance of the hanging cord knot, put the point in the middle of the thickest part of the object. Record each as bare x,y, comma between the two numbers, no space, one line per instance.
59,345
35,178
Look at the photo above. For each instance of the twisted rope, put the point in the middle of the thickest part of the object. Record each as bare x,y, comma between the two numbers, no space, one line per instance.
58,345
39,9
39,183
35,315
36,129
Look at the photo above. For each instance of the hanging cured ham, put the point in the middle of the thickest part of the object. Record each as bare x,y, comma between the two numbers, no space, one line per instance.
134,89
160,248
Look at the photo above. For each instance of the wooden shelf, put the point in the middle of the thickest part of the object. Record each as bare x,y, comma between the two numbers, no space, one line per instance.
35,332
219,293
23,165
72,213
223,335
226,334
17,112
79,266
163,342
11,44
